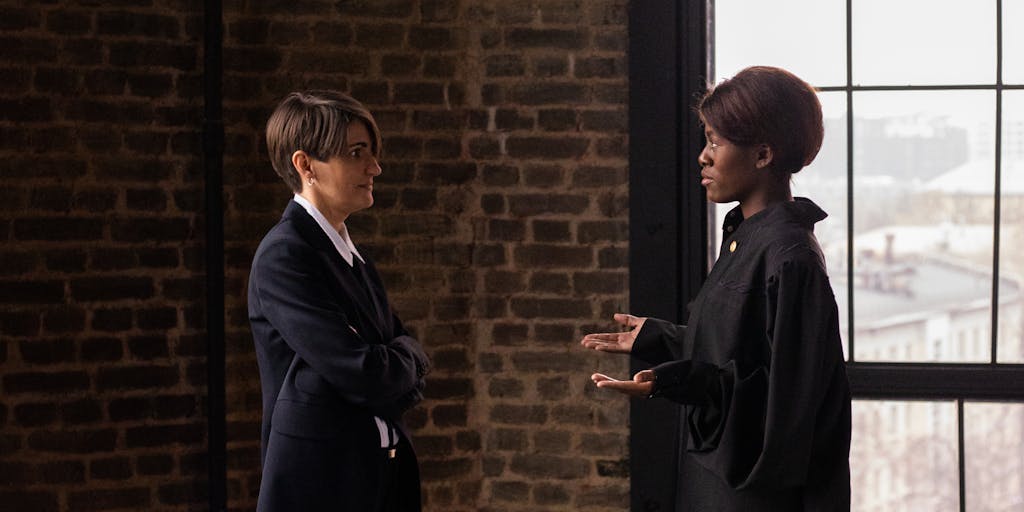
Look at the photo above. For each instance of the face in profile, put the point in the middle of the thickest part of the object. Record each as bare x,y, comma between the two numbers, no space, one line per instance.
345,182
728,170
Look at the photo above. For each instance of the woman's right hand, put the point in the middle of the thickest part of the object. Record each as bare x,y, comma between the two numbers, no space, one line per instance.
620,342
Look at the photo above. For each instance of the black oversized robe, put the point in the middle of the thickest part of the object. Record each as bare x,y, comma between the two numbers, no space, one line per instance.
759,370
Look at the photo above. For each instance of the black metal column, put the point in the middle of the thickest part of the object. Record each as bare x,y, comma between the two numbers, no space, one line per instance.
213,165
668,214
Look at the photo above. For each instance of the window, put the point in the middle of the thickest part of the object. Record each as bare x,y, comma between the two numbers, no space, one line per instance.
922,173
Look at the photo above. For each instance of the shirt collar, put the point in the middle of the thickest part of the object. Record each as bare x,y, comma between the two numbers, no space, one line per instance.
340,239
800,210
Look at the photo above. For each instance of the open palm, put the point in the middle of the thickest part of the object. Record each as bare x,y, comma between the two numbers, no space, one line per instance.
620,342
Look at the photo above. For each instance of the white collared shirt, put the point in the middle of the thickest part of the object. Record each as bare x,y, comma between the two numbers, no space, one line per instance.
340,239
347,250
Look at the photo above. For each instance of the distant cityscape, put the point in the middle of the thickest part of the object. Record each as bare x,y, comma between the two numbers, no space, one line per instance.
924,193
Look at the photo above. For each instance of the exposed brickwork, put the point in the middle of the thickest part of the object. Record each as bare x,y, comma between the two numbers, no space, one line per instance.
500,228
99,412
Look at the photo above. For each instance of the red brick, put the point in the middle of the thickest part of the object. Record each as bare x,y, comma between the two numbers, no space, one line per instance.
34,415
137,377
98,289
440,67
17,262
540,362
101,349
43,352
58,229
19,323
82,52
546,147
519,414
55,199
46,382
17,473
112,468
154,464
81,412
553,256
164,435
135,498
194,492
449,415
76,441
505,388
62,472
134,23
545,38
445,469
59,82
506,334
148,347
447,389
36,501
144,230
177,56
547,466
12,18
432,38
559,13
64,319
14,81
510,492
535,204
551,494
418,93
601,282
376,8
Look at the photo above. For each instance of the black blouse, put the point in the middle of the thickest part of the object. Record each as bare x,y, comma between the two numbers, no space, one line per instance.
759,369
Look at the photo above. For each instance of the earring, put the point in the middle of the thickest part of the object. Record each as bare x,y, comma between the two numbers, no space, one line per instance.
310,181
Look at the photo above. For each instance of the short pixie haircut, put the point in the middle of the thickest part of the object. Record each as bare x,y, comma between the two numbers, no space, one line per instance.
767,105
315,122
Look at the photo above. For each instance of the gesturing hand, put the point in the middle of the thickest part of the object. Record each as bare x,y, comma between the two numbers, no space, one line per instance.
621,342
641,385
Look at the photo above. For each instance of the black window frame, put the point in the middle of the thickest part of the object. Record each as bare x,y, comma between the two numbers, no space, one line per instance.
670,54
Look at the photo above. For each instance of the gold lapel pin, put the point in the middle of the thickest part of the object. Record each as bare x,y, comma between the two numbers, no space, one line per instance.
732,246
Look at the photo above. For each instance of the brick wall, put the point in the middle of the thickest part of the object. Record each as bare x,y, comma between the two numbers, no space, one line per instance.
101,339
500,228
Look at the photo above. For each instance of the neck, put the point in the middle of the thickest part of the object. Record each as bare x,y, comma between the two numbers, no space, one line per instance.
335,217
774,192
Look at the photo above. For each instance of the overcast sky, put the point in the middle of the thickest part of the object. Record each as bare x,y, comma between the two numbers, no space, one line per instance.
895,42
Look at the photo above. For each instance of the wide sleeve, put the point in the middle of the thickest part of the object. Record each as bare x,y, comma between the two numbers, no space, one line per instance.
293,294
659,341
758,426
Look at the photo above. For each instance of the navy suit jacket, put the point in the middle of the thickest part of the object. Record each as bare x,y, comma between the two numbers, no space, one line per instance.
332,355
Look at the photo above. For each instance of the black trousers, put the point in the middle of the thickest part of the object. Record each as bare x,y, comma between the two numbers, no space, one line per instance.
400,491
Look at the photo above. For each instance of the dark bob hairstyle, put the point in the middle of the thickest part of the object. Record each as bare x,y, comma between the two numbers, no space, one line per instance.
766,105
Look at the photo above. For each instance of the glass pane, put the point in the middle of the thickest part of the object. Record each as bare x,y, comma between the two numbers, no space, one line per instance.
1011,234
924,181
993,460
814,51
824,182
903,456
1013,42
916,42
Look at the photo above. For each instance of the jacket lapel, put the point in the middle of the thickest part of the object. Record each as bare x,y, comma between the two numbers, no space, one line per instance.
345,275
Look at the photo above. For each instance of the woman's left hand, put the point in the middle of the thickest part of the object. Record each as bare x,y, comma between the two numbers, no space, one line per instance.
641,385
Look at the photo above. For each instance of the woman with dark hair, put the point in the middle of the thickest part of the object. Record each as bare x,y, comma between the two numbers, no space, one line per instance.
337,368
759,366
